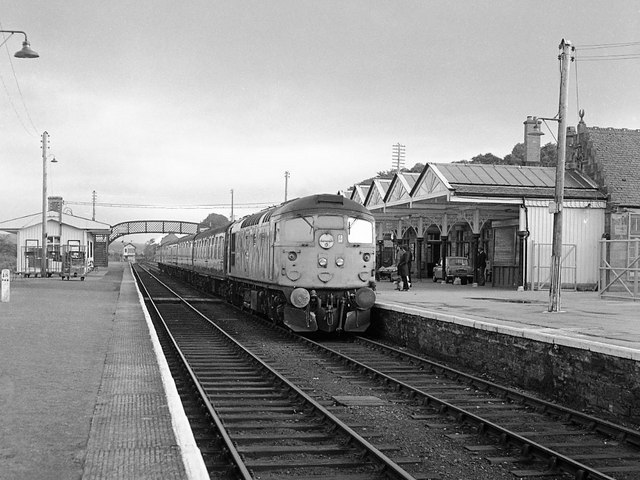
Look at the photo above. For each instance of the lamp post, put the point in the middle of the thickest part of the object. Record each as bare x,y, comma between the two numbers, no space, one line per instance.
45,148
25,51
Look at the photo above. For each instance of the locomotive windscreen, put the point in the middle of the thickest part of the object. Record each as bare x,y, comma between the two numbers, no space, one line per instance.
335,199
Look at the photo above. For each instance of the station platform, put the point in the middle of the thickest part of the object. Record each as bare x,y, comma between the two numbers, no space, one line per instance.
83,393
584,320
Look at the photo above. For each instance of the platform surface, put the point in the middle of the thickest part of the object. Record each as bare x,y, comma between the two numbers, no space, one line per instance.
81,389
584,320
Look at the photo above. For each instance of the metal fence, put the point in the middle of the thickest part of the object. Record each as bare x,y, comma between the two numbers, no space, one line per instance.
620,269
541,266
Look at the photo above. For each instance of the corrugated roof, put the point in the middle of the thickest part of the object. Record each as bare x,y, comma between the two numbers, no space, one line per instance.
68,219
617,152
458,174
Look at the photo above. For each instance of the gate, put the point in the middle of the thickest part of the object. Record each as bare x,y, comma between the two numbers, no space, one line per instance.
541,266
620,269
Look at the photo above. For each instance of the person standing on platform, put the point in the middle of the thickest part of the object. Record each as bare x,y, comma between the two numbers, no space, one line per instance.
482,265
409,259
403,267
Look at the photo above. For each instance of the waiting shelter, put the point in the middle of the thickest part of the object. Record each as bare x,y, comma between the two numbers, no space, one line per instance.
65,232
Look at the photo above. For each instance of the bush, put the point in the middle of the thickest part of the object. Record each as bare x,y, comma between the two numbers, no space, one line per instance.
8,253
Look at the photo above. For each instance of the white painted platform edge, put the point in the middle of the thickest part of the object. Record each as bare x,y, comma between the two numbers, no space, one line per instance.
191,456
540,334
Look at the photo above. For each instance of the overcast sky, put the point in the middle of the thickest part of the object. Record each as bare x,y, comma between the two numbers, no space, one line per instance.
176,103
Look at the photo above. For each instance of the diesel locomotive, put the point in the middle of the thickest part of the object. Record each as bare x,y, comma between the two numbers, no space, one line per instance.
308,263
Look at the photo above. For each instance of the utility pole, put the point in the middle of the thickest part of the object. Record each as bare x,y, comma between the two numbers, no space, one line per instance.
94,197
43,260
398,156
232,219
556,208
286,183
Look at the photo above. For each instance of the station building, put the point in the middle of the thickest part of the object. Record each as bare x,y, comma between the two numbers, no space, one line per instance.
451,209
65,232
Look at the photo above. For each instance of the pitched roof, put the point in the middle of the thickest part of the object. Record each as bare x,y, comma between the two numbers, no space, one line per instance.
377,191
80,223
401,186
514,181
617,153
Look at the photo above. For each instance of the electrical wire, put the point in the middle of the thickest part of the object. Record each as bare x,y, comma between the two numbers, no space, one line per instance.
9,96
607,45
600,58
173,207
577,91
608,57
550,131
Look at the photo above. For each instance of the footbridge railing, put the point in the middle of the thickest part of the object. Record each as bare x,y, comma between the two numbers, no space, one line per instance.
152,226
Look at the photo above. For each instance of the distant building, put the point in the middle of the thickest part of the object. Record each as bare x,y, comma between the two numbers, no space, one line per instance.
65,232
129,253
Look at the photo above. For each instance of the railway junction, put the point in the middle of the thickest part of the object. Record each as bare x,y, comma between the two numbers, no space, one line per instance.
84,395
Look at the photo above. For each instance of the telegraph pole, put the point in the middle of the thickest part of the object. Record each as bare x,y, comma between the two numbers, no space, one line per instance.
232,219
556,208
398,156
94,197
43,260
286,183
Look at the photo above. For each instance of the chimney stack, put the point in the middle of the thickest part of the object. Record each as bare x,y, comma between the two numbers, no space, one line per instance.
55,204
532,136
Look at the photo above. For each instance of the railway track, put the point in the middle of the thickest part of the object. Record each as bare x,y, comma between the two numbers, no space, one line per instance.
262,425
536,439
549,439
533,438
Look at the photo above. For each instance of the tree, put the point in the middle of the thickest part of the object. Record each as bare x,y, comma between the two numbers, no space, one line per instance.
486,159
549,155
214,220
150,249
516,157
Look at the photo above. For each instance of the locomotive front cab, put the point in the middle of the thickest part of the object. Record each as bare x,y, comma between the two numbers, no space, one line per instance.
327,266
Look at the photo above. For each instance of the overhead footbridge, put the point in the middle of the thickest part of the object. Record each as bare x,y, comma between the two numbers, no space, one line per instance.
152,226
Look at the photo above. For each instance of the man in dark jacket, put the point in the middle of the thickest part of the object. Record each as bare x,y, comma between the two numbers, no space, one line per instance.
403,267
482,265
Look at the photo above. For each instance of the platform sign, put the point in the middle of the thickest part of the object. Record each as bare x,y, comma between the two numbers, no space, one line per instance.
6,284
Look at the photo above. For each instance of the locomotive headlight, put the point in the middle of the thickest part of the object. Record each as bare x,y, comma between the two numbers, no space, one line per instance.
300,297
339,261
292,256
326,240
365,298
322,261
366,257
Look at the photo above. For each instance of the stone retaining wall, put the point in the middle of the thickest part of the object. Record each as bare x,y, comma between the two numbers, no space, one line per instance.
578,379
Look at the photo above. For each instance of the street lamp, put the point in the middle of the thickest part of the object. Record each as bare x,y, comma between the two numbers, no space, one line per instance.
25,51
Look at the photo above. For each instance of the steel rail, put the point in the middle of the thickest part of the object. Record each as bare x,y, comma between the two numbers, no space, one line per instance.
528,447
620,432
240,466
388,466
